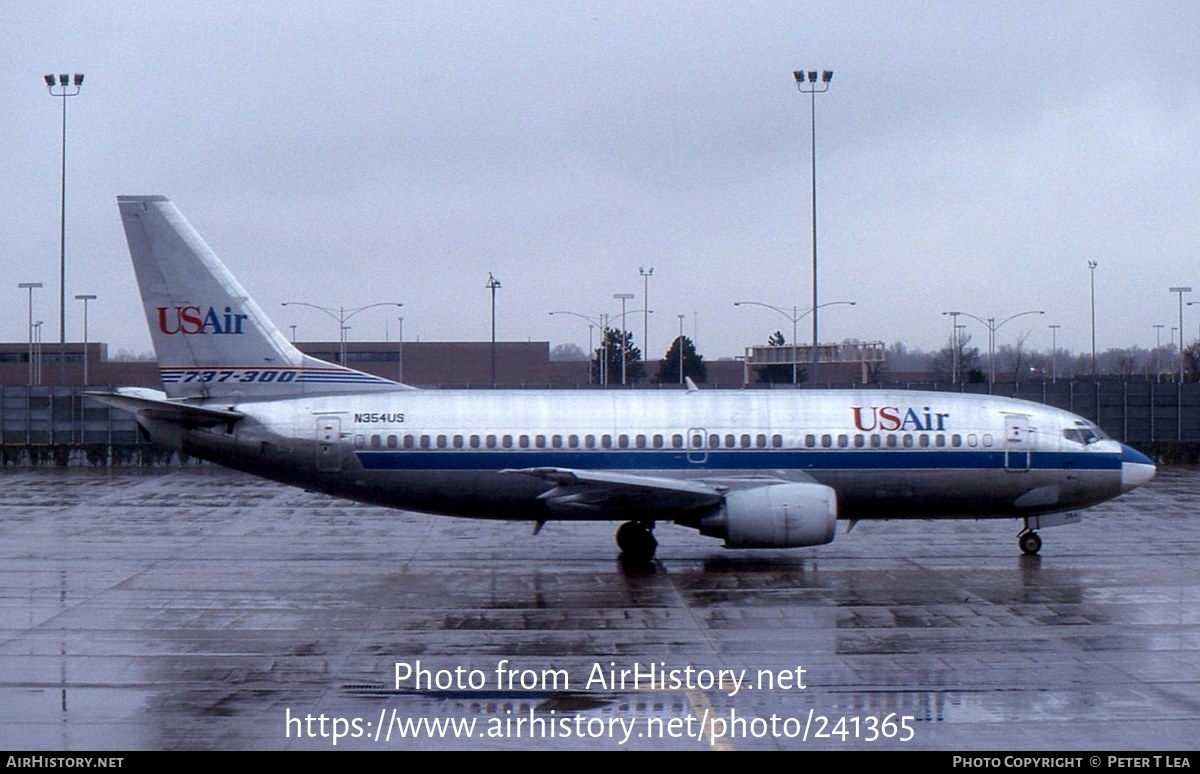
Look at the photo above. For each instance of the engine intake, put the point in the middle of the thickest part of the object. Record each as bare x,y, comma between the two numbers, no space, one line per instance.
776,516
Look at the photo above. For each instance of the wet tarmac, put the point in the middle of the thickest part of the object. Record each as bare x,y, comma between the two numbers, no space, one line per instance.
205,610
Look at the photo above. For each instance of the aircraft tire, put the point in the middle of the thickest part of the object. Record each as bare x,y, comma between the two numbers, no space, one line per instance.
636,542
1030,542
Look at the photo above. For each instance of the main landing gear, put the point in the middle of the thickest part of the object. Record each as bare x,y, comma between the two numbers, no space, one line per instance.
636,541
1030,542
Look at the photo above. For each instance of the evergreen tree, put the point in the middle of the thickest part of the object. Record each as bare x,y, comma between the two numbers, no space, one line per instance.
693,363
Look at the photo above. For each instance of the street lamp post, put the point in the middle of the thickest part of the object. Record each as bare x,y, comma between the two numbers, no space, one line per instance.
341,314
812,88
1054,353
992,327
1181,291
37,350
601,323
1092,268
795,317
953,345
646,275
680,347
85,297
400,355
493,285
624,349
65,86
1157,351
30,286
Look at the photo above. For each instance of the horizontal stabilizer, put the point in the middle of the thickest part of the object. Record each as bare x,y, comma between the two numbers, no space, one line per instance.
156,405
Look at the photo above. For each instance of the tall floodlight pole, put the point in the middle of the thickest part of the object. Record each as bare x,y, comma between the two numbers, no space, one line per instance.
1053,353
85,297
30,286
65,86
812,88
493,285
341,314
646,275
624,348
37,348
1181,291
1092,268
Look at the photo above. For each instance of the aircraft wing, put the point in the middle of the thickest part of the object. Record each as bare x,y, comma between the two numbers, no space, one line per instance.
154,404
585,493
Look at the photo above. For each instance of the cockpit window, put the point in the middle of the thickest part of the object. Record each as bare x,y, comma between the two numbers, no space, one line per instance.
1084,433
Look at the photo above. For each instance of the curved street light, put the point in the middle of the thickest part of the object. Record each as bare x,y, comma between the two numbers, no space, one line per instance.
602,323
795,316
341,314
992,325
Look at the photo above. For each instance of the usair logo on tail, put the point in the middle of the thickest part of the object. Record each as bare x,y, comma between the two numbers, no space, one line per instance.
191,320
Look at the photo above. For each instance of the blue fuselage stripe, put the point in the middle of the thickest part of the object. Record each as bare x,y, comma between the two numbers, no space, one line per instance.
753,459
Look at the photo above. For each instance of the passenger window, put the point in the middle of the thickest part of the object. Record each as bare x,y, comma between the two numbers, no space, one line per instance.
508,442
376,442
760,441
892,443
972,440
441,442
810,440
623,441
589,441
859,441
827,441
474,440
987,439
677,441
360,441
573,441
491,442
658,441
923,440
425,442
540,441
697,441
458,442
523,441
941,441
714,441
777,441
956,440
876,440
640,441
745,442
908,440
409,442
392,442
843,440
556,441
606,441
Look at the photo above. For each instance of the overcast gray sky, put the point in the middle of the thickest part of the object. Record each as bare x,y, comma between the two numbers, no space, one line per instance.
971,156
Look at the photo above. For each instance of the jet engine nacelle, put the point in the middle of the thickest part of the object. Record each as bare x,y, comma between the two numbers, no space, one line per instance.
776,516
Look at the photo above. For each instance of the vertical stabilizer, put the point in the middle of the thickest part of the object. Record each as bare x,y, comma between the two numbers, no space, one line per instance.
212,340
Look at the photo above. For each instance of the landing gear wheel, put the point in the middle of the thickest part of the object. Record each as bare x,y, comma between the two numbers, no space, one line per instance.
636,541
1030,542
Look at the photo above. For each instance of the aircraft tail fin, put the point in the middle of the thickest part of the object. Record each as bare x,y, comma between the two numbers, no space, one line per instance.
212,340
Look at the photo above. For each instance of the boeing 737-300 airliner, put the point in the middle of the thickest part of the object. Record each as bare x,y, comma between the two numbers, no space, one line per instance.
756,469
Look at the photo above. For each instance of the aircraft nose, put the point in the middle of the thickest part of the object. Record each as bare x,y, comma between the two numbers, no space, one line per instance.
1136,468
